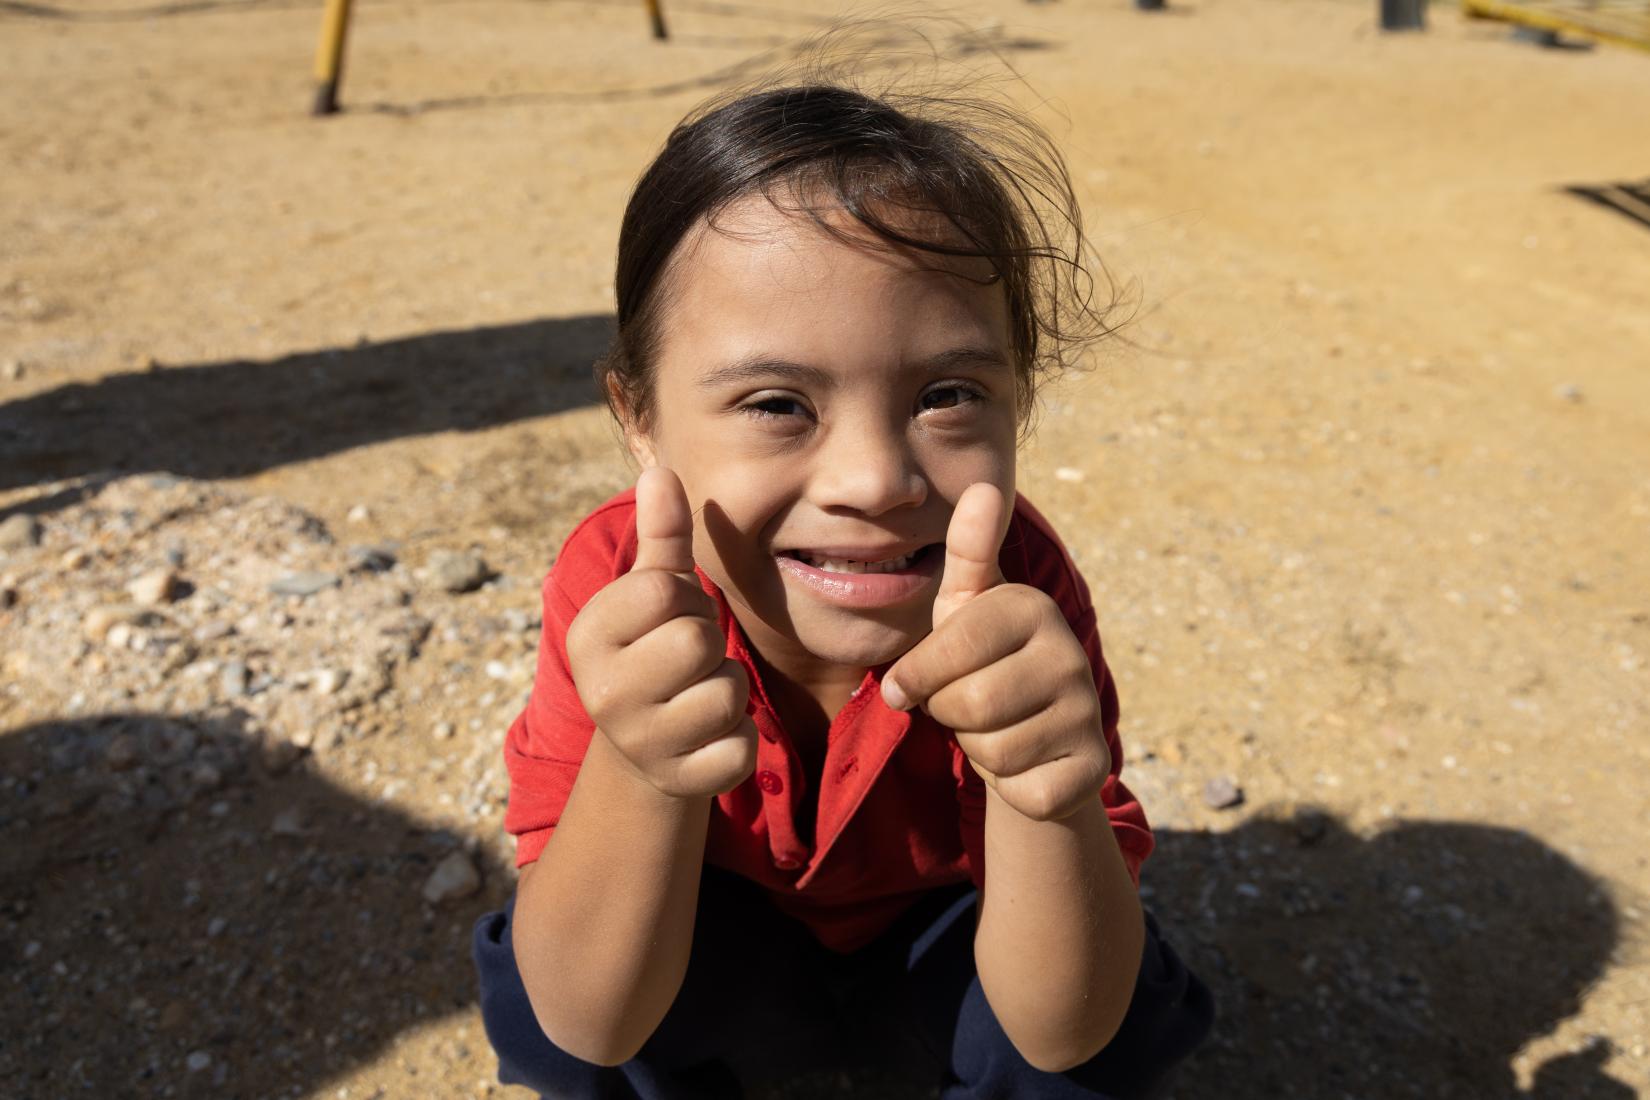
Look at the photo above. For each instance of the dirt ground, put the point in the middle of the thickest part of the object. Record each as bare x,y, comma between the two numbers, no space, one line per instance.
1363,493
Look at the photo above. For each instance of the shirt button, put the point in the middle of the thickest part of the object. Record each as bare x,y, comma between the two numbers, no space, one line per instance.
786,863
769,782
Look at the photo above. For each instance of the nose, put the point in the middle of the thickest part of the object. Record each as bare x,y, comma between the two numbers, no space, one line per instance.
867,470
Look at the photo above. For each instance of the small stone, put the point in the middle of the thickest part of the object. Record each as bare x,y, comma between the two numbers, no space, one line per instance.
215,927
280,754
74,558
453,878
120,635
8,597
205,777
289,822
305,583
458,571
100,620
443,731
1068,473
212,631
12,369
358,514
232,679
327,681
154,588
1310,826
197,1061
371,559
122,753
19,532
1570,392
1221,793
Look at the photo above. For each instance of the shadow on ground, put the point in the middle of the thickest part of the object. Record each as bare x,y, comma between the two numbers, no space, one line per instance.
237,418
157,904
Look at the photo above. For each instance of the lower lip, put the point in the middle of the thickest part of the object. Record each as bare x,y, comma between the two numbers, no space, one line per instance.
862,590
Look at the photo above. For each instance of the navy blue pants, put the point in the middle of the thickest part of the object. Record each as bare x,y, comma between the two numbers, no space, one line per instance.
762,1001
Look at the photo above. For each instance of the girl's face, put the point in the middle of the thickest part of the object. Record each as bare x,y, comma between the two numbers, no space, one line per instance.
825,405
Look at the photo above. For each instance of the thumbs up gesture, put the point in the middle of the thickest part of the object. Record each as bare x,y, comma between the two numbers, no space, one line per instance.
1004,671
650,664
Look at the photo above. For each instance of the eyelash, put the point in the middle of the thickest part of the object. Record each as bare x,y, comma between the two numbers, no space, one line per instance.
967,395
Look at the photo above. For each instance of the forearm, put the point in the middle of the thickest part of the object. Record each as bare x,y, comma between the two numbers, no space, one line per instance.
1060,933
604,919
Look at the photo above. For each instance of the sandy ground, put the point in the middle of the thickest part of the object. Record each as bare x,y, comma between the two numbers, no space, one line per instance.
1363,492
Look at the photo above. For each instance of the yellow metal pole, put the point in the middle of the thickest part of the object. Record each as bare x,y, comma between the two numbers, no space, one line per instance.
658,18
329,55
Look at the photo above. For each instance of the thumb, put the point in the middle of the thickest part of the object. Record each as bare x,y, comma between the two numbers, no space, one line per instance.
972,543
664,522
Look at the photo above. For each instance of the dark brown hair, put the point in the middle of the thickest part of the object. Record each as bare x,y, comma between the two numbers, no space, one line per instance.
986,170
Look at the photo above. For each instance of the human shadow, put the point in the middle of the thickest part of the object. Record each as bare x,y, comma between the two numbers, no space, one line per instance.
235,418
269,924
1414,963
167,892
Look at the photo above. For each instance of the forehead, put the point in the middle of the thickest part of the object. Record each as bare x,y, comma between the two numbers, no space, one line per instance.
766,277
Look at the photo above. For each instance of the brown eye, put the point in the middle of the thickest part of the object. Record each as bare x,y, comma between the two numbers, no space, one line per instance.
947,397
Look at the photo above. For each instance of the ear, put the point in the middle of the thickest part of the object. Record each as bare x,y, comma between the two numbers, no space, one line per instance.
636,439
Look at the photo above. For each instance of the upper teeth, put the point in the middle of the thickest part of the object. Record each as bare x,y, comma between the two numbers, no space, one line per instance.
848,565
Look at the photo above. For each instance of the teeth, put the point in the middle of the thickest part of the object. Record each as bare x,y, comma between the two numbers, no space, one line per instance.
848,565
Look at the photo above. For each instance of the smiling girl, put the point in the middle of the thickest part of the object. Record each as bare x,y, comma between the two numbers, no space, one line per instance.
820,767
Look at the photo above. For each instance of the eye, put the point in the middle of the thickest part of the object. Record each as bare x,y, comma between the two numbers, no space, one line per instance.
948,395
774,406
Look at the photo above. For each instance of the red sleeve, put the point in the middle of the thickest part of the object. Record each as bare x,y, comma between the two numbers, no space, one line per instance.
1033,554
547,742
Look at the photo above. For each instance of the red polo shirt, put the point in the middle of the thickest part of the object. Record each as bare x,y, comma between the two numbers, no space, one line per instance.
899,809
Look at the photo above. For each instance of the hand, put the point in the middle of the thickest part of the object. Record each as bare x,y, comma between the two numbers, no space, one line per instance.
1004,671
650,663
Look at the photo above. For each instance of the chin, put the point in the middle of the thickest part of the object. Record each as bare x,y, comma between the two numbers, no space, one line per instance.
863,643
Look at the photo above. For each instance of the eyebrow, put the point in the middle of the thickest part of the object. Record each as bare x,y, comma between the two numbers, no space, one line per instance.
758,367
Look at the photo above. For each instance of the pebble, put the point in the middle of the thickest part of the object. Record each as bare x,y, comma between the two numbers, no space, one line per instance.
100,620
289,822
122,753
13,369
212,631
1310,826
120,635
1570,392
8,597
1222,793
327,681
304,583
154,588
443,731
458,571
359,514
19,532
215,927
1068,473
197,1061
371,559
74,558
453,878
280,754
232,678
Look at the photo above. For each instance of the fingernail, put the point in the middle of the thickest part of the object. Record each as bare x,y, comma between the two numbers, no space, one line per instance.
894,697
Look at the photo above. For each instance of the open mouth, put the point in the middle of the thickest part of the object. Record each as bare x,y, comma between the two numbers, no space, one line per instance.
853,565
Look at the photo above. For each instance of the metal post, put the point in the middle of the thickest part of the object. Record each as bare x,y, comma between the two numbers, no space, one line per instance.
658,18
1403,15
329,56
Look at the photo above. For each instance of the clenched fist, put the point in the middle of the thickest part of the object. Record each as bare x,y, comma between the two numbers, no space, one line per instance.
650,663
1004,671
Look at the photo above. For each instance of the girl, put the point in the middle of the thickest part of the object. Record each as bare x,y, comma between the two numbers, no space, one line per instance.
820,767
